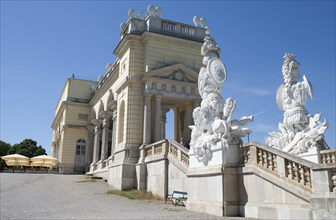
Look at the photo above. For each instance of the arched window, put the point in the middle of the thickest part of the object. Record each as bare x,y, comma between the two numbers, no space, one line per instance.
121,115
80,147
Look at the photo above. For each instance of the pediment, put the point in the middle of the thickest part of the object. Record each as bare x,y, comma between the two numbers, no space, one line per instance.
177,72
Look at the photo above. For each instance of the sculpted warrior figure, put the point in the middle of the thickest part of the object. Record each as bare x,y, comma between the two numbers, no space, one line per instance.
299,130
213,119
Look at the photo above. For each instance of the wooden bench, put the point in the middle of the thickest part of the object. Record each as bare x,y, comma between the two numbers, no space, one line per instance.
177,197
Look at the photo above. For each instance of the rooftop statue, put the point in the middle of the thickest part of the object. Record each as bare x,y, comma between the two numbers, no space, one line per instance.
299,131
213,119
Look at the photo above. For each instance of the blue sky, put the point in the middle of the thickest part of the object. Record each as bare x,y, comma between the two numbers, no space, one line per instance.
44,42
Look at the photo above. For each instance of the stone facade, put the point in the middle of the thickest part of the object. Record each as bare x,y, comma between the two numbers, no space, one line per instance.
156,71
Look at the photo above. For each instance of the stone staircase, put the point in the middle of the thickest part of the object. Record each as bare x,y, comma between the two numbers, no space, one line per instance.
271,184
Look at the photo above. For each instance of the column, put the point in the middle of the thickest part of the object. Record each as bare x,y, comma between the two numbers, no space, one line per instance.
97,133
163,123
106,123
157,120
147,120
176,125
53,147
90,144
114,131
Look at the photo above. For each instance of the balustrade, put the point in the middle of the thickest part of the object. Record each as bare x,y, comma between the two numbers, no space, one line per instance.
164,148
266,159
297,172
178,28
270,159
328,156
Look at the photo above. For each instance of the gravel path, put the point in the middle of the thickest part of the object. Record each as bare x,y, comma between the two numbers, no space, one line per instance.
52,196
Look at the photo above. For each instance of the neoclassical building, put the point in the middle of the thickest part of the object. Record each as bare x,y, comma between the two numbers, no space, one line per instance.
115,128
101,125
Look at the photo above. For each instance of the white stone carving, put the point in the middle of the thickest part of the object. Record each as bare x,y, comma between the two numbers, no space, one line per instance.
299,131
151,11
213,124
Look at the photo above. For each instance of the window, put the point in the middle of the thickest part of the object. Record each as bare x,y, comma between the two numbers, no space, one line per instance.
83,116
80,147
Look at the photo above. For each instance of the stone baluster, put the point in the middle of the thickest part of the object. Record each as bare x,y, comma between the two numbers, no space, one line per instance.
289,169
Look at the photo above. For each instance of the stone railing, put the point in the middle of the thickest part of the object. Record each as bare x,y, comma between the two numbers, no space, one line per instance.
178,28
163,148
328,156
156,149
178,152
310,176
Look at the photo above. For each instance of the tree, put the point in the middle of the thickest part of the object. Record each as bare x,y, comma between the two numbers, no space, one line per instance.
4,147
28,148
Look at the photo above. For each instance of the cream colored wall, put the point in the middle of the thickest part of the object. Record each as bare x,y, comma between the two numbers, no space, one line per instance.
136,59
134,114
124,63
70,137
63,97
72,116
80,88
161,53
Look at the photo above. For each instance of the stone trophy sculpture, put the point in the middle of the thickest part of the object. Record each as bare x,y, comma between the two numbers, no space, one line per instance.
214,129
299,131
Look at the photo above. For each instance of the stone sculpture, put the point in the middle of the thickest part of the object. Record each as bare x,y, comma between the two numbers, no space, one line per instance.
213,119
299,131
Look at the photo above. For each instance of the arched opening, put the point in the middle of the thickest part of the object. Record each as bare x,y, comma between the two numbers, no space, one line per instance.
121,116
170,125
109,144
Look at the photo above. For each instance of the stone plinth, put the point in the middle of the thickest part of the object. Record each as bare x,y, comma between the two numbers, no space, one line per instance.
313,155
220,155
214,187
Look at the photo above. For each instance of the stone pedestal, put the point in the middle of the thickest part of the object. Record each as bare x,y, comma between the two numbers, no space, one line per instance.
214,188
220,155
312,155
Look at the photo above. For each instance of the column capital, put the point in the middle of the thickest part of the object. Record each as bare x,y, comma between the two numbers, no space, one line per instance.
90,128
105,114
97,122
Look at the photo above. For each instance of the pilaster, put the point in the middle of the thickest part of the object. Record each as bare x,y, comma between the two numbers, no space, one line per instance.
157,122
147,120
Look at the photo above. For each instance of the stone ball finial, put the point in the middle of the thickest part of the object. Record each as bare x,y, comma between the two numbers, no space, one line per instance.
196,20
202,22
122,26
131,13
151,10
158,11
